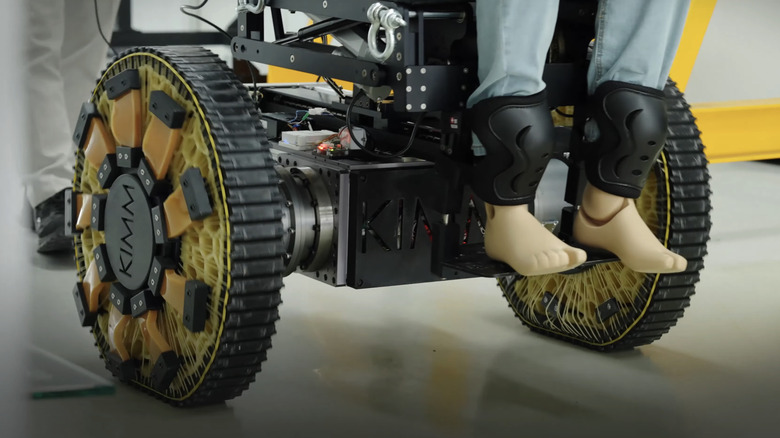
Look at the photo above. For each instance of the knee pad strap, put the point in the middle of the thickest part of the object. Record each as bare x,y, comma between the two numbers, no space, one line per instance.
517,134
632,123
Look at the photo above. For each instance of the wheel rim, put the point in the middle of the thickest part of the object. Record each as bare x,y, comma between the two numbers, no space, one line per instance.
173,329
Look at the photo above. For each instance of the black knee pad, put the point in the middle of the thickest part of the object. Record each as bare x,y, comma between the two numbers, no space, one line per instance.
632,122
518,136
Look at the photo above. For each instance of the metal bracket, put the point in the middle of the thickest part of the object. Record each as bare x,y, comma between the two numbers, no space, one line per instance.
381,16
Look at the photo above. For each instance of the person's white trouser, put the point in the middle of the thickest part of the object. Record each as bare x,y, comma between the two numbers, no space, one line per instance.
65,53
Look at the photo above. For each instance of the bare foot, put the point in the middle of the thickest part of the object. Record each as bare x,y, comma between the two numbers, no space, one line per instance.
515,237
613,223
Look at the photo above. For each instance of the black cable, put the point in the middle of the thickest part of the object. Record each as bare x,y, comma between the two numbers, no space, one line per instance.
185,10
335,87
379,154
100,29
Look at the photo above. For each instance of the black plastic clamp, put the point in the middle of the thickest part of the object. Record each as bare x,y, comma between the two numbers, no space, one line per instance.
196,298
143,302
98,219
157,274
123,370
120,84
120,298
71,212
159,225
608,309
88,111
127,157
86,317
108,171
103,264
195,194
166,109
152,186
165,370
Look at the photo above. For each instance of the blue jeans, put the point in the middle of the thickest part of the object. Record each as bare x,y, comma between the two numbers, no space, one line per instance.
636,41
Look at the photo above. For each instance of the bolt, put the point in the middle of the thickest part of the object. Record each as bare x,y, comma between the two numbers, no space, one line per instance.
142,172
398,36
423,106
408,71
325,4
399,56
423,71
399,76
242,28
292,58
466,71
409,89
364,73
409,107
423,88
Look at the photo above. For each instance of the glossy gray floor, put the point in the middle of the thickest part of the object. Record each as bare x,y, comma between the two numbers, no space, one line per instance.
449,359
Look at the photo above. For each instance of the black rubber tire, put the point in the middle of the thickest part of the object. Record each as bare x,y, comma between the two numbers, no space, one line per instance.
682,205
245,197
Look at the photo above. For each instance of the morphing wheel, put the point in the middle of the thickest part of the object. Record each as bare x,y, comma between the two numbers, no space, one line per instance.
610,307
176,214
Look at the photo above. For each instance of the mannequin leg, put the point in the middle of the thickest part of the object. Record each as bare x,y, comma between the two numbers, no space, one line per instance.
513,125
635,45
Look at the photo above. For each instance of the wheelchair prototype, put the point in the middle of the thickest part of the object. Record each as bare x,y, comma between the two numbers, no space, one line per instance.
192,198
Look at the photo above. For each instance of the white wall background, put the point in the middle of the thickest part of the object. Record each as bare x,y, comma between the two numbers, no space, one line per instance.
740,56
165,16
14,262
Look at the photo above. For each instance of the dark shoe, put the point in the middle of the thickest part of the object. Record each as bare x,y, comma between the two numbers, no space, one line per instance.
49,225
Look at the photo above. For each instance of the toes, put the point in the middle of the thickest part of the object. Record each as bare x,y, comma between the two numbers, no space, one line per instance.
542,260
576,256
555,260
680,264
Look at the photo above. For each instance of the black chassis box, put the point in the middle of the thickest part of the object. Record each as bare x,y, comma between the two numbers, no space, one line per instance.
385,217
